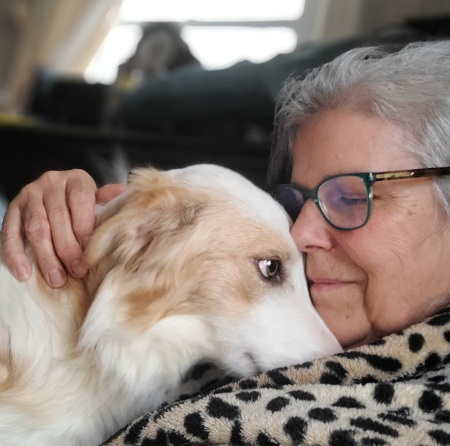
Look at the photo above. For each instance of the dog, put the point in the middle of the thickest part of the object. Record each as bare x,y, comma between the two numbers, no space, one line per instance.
187,265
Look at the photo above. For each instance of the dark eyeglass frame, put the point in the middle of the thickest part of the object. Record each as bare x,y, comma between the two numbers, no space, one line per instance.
369,178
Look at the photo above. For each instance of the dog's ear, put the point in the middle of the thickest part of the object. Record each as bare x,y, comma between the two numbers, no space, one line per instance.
138,237
154,204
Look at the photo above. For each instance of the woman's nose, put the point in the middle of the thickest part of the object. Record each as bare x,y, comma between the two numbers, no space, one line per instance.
310,230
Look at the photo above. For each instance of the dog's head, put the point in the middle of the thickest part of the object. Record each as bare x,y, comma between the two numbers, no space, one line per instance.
198,263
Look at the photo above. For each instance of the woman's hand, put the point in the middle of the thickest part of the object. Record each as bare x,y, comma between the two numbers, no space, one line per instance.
56,214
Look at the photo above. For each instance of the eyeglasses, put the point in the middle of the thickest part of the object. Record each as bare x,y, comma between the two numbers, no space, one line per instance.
345,200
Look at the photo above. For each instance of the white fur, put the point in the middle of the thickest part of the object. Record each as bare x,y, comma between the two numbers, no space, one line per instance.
173,280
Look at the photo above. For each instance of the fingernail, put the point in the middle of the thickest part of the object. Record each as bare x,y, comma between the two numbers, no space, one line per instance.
56,278
78,268
22,272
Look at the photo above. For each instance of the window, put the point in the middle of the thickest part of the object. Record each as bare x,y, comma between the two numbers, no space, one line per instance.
218,34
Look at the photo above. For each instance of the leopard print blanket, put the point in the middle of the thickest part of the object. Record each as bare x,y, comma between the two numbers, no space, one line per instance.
395,391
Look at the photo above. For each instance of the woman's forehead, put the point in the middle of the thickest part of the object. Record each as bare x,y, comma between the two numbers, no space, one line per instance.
341,141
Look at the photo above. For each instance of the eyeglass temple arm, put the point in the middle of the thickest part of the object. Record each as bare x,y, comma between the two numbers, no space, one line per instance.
413,173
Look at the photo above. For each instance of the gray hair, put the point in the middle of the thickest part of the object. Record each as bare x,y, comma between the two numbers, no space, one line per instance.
409,87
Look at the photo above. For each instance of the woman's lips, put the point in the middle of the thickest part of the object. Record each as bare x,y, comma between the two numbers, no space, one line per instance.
326,284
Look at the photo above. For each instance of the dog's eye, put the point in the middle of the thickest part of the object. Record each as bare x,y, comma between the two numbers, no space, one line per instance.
270,268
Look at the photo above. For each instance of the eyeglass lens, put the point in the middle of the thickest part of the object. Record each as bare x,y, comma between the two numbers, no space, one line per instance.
343,201
290,198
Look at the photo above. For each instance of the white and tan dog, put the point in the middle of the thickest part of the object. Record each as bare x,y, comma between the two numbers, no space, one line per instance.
188,265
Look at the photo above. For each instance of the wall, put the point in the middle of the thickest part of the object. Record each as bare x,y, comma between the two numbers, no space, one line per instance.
342,18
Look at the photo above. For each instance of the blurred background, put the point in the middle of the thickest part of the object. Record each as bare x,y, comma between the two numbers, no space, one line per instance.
98,84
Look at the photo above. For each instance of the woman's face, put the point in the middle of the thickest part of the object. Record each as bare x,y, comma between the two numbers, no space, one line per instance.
392,272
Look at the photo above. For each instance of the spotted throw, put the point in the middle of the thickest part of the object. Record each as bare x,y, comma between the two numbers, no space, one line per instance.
393,392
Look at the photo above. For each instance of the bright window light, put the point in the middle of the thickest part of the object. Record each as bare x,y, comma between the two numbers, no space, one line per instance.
210,10
215,47
220,47
119,44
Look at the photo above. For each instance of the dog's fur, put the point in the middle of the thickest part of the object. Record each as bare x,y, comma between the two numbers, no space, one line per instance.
177,274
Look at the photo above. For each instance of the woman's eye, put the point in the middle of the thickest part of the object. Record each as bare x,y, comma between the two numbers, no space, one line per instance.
269,268
353,200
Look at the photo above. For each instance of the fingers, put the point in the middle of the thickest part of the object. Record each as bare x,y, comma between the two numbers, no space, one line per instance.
55,214
26,217
71,216
110,191
12,244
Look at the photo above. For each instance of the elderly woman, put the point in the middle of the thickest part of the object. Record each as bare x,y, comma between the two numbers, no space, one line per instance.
361,162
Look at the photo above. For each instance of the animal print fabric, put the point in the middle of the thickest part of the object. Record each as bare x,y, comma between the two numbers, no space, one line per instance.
393,392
